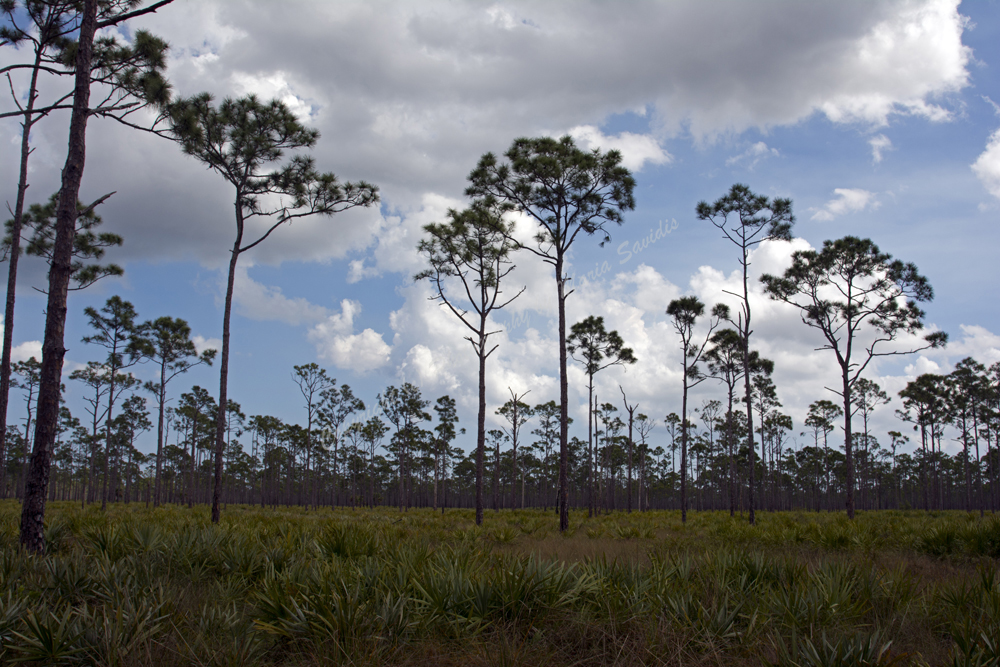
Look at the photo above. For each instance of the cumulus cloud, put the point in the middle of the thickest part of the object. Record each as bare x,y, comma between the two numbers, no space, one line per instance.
879,144
899,61
263,302
430,349
975,341
398,236
436,84
987,165
425,368
636,149
201,343
752,156
847,200
26,350
336,341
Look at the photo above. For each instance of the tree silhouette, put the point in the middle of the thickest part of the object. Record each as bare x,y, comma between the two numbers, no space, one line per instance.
336,406
405,408
93,15
820,419
724,361
132,73
548,433
27,374
868,396
747,220
198,408
765,397
967,390
373,431
631,447
924,407
566,192
311,381
115,330
95,375
132,420
684,313
472,249
644,426
848,288
87,245
242,139
48,42
445,433
166,341
517,413
497,437
598,349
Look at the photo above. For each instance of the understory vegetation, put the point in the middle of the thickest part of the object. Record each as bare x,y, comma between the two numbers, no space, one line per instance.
136,586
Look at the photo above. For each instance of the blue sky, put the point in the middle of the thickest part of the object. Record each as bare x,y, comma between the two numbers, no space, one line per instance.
870,116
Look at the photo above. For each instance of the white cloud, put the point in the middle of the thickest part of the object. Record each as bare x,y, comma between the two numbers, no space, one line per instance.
923,365
848,200
336,342
993,105
201,343
23,351
976,341
753,155
426,368
430,348
26,350
879,144
987,166
275,86
912,54
398,236
636,149
266,303
436,84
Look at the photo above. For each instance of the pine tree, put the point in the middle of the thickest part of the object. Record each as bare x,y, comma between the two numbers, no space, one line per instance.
242,140
565,191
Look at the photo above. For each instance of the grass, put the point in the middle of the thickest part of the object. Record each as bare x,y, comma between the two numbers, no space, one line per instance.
373,587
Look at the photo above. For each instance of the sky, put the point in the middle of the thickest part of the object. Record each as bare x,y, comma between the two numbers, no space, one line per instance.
878,119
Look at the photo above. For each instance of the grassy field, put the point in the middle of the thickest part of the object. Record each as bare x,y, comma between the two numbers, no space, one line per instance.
374,587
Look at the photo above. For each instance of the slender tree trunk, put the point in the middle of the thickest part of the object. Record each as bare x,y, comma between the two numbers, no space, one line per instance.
965,465
848,444
161,395
745,336
513,477
53,346
220,420
684,436
194,455
923,464
590,446
563,402
631,445
107,435
437,464
481,421
15,252
979,468
24,453
730,445
496,477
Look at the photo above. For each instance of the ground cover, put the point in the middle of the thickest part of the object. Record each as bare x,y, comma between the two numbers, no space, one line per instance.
282,586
